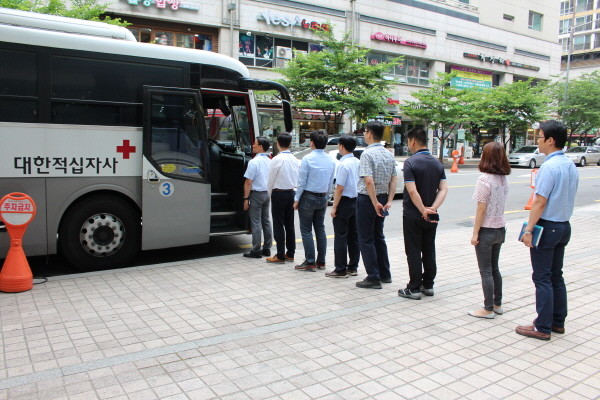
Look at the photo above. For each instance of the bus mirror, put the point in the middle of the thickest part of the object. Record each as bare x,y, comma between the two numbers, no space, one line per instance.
287,116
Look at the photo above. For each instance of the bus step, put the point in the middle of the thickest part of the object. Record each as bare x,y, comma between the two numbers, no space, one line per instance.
222,213
227,232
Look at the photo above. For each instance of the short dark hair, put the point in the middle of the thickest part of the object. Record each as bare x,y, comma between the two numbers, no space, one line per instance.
556,130
319,139
419,134
376,127
263,142
349,142
284,140
494,159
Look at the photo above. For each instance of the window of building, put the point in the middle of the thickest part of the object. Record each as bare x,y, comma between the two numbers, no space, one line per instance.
564,26
565,45
268,52
565,8
508,17
170,38
597,41
584,23
411,70
584,5
535,21
583,42
465,1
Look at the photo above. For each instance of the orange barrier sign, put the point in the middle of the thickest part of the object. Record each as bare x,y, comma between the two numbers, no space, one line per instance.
532,184
455,156
17,210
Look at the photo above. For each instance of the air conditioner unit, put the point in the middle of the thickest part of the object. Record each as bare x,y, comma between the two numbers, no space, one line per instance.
283,52
281,62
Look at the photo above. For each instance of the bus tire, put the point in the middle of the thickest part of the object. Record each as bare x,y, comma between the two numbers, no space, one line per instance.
100,232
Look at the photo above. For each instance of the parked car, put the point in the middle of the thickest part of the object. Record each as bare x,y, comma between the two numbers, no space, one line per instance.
582,155
526,156
334,140
334,153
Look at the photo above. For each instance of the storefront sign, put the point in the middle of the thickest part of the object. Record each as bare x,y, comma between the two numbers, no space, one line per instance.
387,119
291,21
384,37
172,4
471,77
499,60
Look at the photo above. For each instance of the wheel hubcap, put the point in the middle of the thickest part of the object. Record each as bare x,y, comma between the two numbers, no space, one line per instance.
102,235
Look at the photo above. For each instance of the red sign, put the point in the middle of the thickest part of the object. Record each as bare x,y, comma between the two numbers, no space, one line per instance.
384,37
17,209
392,101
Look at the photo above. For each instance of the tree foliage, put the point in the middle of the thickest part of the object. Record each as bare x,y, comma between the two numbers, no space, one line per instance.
337,80
440,106
580,109
89,10
512,106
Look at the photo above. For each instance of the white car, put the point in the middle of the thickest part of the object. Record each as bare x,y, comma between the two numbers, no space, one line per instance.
582,155
526,156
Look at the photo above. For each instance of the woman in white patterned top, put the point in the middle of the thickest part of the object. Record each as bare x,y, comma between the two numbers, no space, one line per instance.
489,230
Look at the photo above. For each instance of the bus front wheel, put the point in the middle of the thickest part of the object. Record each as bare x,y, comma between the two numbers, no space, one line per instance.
99,233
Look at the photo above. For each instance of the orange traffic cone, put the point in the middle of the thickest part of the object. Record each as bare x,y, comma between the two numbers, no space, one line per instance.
461,160
529,202
16,275
455,156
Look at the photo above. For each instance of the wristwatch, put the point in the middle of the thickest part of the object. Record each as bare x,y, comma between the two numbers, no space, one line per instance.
527,232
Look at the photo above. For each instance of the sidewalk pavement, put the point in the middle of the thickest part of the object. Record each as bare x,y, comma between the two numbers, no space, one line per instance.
234,328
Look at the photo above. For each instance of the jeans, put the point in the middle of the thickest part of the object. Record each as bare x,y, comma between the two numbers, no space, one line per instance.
419,246
282,211
547,263
488,253
311,212
346,237
259,221
371,238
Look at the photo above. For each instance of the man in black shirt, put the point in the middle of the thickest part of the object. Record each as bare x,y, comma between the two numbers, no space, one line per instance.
425,189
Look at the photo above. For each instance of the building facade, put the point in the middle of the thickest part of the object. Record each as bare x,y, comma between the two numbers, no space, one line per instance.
485,44
580,21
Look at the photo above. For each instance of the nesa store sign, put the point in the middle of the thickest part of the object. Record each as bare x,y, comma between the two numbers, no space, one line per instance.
291,21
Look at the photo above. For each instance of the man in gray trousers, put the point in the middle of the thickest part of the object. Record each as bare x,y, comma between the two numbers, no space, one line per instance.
257,200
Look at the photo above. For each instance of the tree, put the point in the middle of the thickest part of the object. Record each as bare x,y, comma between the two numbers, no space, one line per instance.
337,80
440,106
512,106
81,9
580,110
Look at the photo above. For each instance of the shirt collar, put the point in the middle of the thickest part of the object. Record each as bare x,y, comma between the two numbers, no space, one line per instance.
349,155
555,153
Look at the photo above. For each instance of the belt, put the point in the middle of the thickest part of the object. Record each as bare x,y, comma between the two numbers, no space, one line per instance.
378,194
259,191
348,197
283,190
315,193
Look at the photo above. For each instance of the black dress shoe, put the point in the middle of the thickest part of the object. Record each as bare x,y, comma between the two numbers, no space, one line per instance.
365,284
252,255
386,280
266,253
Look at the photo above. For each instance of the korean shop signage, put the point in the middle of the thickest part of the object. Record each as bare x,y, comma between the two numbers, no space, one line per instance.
384,37
172,4
499,60
467,77
291,21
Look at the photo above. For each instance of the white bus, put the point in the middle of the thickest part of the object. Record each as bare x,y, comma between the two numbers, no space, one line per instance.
124,146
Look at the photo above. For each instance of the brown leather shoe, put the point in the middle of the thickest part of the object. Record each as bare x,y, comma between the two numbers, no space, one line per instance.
530,331
289,259
556,329
275,259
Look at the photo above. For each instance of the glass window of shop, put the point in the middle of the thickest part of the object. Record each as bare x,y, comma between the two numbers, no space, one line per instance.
259,50
410,70
172,38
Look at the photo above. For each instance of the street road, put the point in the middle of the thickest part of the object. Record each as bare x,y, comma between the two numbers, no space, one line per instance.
458,209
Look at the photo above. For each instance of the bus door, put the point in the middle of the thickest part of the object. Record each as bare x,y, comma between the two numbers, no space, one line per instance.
175,183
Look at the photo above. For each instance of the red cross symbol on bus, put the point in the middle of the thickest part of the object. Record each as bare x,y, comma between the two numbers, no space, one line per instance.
126,149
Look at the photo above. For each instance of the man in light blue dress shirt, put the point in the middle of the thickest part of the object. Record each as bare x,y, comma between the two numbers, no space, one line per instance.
555,188
315,181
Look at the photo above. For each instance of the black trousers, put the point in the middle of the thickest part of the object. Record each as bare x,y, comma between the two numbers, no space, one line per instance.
419,245
345,244
282,212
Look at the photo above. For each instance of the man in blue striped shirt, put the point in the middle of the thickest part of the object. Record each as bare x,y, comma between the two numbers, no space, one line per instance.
314,184
555,188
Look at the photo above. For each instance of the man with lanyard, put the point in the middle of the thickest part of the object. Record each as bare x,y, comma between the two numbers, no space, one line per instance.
555,188
425,189
314,184
283,178
376,189
343,211
256,199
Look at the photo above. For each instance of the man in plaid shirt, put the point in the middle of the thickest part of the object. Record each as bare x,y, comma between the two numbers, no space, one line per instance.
376,189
